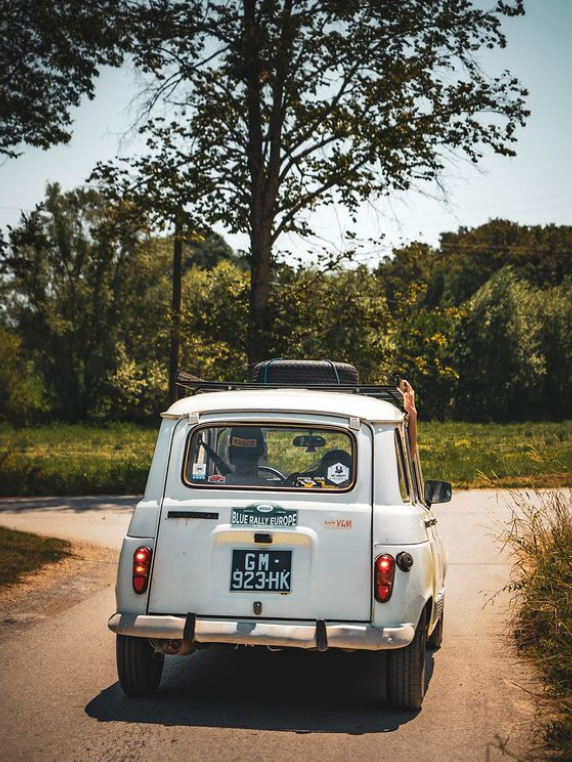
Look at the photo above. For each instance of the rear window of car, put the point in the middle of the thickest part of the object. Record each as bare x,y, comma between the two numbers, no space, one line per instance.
270,457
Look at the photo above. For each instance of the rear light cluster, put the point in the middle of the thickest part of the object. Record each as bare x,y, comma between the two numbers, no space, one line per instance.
141,567
384,571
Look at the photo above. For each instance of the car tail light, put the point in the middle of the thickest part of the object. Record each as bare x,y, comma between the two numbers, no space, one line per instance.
384,569
141,567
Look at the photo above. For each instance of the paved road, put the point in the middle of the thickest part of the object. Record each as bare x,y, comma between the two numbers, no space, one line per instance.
97,520
60,699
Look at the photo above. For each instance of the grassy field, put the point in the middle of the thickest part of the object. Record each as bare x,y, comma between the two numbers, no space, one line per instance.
24,552
489,454
75,459
82,459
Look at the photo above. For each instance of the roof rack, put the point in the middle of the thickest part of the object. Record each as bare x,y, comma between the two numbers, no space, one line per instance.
197,385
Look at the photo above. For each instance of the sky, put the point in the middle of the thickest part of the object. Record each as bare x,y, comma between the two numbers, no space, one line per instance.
534,188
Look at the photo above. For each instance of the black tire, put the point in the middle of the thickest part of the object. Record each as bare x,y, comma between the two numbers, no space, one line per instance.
406,671
304,372
138,667
435,640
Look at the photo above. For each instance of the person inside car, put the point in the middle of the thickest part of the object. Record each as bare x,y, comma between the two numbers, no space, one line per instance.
245,448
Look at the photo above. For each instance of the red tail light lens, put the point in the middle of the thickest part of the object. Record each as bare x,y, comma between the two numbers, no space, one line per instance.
141,567
384,571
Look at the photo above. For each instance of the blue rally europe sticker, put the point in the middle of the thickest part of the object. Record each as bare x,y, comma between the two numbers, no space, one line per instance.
264,515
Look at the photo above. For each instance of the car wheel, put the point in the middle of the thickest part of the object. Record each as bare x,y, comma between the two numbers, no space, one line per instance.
406,671
435,640
139,668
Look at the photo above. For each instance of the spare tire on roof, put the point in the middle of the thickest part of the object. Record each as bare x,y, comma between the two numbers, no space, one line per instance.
298,372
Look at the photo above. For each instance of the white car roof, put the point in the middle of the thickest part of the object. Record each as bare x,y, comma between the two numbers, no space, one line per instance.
288,400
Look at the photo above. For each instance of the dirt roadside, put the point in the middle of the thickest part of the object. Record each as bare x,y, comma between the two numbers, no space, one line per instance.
56,587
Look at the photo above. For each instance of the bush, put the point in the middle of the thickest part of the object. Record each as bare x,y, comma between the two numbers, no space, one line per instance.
540,538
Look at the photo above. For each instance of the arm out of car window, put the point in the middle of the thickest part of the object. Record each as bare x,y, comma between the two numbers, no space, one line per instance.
411,410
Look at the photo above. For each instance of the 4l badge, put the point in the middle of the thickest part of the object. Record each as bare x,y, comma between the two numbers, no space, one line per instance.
264,515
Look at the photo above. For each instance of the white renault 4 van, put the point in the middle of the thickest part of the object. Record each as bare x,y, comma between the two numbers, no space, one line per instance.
283,513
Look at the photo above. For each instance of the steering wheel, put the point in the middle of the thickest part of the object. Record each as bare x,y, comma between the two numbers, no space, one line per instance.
274,472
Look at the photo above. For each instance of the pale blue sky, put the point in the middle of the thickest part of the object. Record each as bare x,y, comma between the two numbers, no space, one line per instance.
533,188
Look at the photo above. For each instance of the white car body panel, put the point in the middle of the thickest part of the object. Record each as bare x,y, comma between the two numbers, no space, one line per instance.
332,561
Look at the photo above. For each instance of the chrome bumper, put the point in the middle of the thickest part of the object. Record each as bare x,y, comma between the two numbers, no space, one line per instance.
263,633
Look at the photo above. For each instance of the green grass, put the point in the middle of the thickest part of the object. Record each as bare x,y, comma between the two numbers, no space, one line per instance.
24,552
495,455
114,459
75,459
540,538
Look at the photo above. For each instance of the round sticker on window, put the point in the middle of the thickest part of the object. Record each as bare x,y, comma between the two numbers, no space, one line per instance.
338,473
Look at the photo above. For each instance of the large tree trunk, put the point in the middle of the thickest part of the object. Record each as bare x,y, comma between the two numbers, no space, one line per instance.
258,316
175,313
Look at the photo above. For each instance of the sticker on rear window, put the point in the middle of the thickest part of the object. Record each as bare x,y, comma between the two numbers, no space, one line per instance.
338,473
264,515
217,478
199,471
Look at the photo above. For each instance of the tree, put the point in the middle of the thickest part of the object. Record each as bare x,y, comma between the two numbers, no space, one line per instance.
50,55
276,107
21,389
468,258
69,273
405,275
556,341
425,351
500,360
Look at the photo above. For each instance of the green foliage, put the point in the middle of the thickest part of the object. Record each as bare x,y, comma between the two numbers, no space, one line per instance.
24,553
500,361
405,275
465,260
69,268
88,301
50,55
213,325
207,251
468,258
339,315
425,355
135,390
555,306
21,390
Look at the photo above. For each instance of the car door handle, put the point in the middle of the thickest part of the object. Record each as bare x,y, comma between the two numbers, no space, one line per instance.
430,522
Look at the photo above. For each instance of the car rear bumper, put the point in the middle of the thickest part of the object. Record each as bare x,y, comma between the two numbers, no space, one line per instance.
263,633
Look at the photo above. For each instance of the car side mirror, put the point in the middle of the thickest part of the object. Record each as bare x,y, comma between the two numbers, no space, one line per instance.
437,492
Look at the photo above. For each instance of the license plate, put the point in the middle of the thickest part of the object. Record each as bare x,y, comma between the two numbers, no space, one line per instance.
261,570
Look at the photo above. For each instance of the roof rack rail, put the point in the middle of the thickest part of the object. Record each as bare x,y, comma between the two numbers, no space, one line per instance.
391,393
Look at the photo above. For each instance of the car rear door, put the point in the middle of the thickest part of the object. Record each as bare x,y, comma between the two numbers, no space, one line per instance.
318,545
